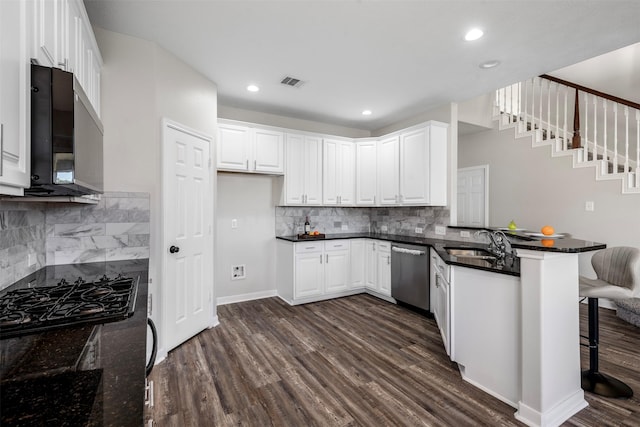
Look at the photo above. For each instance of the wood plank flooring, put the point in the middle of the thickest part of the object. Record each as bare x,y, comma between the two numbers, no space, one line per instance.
354,361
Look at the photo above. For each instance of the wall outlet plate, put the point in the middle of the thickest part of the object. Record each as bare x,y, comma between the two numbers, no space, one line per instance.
345,227
238,272
589,206
31,259
440,230
234,223
418,230
464,233
383,228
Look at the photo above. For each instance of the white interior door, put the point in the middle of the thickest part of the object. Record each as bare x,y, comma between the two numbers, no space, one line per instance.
188,239
473,193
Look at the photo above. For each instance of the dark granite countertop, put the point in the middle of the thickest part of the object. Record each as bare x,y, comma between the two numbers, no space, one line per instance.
521,240
511,265
88,375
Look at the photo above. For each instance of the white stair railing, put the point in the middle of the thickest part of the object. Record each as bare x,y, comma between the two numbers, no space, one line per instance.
542,107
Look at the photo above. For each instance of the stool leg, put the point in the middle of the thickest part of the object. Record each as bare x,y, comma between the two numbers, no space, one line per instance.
593,380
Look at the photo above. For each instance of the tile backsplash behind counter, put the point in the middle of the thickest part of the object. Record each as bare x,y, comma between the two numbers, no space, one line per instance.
116,228
397,220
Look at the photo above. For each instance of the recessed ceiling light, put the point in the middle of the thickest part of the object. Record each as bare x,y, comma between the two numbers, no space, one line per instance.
473,34
366,113
253,88
490,64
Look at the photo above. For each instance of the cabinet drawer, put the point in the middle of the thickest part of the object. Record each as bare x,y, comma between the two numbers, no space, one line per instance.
336,245
384,246
306,247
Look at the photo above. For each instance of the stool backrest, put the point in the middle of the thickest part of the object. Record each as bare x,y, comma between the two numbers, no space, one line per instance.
619,266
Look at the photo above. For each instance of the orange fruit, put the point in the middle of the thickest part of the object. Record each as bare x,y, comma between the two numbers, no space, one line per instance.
547,242
547,230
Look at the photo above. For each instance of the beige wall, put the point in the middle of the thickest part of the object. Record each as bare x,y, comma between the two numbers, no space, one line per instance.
142,84
249,200
534,189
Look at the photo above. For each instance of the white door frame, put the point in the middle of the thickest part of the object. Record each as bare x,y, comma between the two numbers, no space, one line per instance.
485,169
167,123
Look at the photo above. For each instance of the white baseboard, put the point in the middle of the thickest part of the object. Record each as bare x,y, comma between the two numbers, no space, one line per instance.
246,297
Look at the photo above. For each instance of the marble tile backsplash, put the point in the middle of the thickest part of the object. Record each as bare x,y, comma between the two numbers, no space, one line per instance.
398,220
117,228
22,234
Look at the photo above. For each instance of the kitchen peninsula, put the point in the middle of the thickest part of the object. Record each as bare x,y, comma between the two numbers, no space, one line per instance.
549,355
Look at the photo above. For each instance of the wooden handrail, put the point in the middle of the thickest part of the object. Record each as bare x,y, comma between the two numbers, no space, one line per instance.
592,91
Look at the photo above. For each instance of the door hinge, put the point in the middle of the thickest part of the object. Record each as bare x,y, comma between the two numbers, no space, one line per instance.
150,305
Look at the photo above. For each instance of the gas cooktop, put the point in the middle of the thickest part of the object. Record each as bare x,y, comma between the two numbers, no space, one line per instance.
30,310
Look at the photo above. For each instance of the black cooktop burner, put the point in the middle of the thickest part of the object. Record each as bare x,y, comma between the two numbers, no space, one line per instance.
30,310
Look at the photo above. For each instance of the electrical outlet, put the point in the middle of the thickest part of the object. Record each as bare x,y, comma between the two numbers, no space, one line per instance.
418,230
345,227
464,233
440,230
238,272
31,259
589,206
383,228
234,223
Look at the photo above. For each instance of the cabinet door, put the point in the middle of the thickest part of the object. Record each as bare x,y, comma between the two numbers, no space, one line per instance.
336,271
294,173
309,275
388,173
313,170
414,167
269,151
357,264
47,32
233,147
371,265
14,98
366,173
330,165
384,272
71,24
346,173
438,167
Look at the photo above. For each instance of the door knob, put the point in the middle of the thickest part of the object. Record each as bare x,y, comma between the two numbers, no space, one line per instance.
174,249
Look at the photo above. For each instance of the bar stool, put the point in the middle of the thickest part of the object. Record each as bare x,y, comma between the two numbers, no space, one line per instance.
618,272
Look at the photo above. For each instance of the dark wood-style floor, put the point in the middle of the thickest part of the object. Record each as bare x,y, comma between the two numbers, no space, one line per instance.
355,361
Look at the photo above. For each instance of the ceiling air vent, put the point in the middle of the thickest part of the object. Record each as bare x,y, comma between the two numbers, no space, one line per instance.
291,81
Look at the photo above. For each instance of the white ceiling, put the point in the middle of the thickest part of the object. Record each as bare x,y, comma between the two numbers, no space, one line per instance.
396,58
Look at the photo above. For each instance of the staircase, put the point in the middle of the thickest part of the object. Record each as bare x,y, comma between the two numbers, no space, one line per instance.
550,110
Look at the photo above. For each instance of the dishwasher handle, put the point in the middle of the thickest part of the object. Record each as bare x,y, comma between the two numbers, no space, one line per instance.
413,252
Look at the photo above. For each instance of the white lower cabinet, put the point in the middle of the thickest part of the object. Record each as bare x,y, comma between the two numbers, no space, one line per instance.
357,263
336,266
309,276
440,298
313,271
378,267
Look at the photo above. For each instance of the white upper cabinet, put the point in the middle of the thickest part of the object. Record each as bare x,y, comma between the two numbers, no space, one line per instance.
14,97
338,182
303,170
388,171
366,172
246,149
412,167
62,37
48,32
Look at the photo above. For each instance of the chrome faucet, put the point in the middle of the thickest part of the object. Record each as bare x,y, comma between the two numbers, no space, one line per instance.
499,242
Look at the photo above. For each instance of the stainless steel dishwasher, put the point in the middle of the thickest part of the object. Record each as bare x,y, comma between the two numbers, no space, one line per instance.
410,275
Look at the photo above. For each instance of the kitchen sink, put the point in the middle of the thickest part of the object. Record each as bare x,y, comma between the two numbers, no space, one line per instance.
470,253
